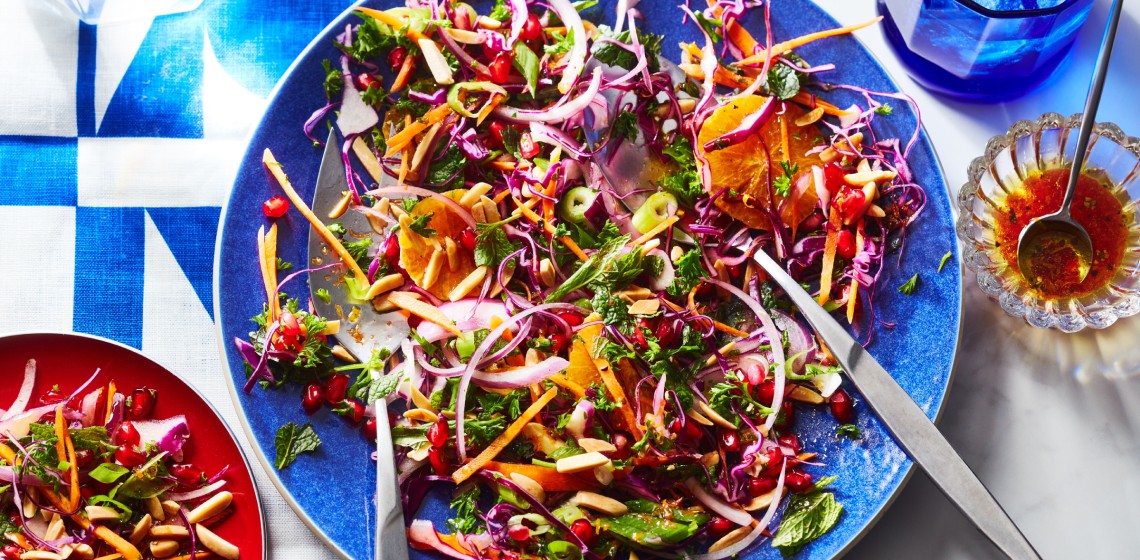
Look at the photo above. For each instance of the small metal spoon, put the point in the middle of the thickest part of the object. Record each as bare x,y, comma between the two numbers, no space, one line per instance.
1059,231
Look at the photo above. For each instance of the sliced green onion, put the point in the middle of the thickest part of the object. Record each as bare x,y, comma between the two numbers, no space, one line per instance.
457,105
563,550
656,209
574,204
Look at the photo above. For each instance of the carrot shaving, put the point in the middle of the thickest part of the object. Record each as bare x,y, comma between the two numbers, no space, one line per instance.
504,438
812,102
853,294
8,454
536,219
501,196
405,74
121,545
613,386
492,103
74,462
550,479
561,380
60,435
729,330
278,173
401,139
829,256
657,229
112,390
425,311
496,322
266,279
786,46
398,23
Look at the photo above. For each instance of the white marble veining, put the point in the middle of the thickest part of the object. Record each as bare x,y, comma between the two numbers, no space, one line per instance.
1044,418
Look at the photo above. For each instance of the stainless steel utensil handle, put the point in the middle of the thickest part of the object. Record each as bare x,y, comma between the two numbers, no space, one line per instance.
391,537
1092,103
914,432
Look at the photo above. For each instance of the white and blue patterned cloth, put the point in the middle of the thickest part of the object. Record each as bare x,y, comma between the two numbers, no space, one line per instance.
118,146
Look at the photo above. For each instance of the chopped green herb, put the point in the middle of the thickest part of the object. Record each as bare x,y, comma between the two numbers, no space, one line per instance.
283,265
808,517
323,295
465,504
559,43
945,259
492,245
334,79
689,271
625,126
292,440
885,109
420,223
783,184
850,431
910,286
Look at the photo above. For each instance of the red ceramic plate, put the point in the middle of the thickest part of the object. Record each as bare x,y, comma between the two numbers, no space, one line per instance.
68,360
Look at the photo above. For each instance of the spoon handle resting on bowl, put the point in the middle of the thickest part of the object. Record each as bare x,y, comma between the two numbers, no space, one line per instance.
913,431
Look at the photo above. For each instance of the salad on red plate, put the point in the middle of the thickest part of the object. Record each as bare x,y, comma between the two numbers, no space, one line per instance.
564,221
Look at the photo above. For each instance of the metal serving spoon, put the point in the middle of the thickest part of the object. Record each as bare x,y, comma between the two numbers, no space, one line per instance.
1059,231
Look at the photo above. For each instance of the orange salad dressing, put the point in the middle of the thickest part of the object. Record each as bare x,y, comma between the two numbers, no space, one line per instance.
1095,207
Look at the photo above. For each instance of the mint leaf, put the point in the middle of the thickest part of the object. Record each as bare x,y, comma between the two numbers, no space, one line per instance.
420,225
292,440
383,386
807,518
850,431
526,62
910,286
492,245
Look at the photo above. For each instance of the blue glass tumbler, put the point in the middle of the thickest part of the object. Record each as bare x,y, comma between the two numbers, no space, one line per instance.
982,50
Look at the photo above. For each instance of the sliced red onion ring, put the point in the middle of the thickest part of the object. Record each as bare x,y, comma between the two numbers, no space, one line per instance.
721,507
404,191
25,394
195,494
576,58
521,377
519,15
668,273
478,315
421,532
168,434
559,112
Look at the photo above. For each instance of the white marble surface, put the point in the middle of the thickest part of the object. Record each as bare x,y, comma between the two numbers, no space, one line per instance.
1045,419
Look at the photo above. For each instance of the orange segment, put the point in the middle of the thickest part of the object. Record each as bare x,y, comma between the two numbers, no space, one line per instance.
744,167
416,251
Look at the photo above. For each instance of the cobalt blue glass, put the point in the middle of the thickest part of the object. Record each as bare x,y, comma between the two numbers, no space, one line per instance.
982,50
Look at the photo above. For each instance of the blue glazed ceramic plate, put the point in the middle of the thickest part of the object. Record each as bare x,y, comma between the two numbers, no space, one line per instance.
332,489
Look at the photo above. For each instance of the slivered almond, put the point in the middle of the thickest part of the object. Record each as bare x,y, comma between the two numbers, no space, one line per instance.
714,416
422,415
384,206
634,293
425,311
497,287
546,273
217,544
171,507
804,394
862,178
730,539
211,507
432,270
331,327
478,214
604,474
676,253
169,532
463,36
474,194
384,285
710,460
452,253
529,486
142,529
490,209
596,445
421,400
532,358
40,555
82,551
154,508
698,417
54,529
863,166
811,117
875,211
29,505
645,307
341,206
163,549
484,22
599,503
650,245
469,283
723,351
343,353
583,462
832,153
99,514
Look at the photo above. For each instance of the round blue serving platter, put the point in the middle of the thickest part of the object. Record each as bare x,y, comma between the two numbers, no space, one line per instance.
332,489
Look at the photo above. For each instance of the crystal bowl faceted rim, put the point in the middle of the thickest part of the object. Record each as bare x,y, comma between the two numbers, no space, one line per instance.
976,213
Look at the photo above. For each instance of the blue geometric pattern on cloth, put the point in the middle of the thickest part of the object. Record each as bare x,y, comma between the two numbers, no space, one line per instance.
38,171
190,234
109,270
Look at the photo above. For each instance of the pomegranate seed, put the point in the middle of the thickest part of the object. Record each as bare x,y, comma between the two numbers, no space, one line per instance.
468,239
761,485
437,434
518,533
583,529
314,397
774,459
845,244
639,338
275,207
12,552
366,81
730,440
84,457
351,410
336,388
128,456
391,250
500,68
719,527
532,29
791,441
369,430
833,177
528,148
440,464
842,407
496,139
396,57
666,334
52,397
141,403
798,481
558,342
787,415
188,475
766,392
571,318
850,201
290,327
126,434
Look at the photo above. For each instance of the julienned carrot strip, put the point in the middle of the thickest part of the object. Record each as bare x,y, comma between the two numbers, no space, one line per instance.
504,438
425,311
267,256
401,139
736,32
121,545
785,46
729,330
8,454
496,322
278,172
60,434
112,390
613,386
829,246
535,218
853,295
657,229
550,479
812,102
73,461
395,22
405,74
